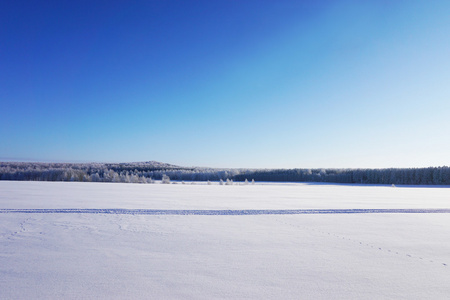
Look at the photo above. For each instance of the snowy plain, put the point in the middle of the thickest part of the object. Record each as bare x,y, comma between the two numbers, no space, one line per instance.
79,255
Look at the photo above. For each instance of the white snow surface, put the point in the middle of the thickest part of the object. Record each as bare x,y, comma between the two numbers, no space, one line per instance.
304,256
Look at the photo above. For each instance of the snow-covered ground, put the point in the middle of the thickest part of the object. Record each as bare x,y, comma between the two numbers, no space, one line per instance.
67,254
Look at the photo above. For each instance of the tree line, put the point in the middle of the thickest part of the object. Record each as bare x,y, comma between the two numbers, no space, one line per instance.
148,172
406,176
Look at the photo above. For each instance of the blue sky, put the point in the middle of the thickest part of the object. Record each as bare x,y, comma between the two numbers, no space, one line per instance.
265,84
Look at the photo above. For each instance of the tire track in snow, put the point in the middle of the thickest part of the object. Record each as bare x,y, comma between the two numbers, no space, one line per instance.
221,212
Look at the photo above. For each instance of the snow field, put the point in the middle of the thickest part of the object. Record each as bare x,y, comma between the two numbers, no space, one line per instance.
121,256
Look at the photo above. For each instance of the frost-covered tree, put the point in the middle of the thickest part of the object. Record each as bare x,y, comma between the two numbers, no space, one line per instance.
115,177
165,179
134,178
95,177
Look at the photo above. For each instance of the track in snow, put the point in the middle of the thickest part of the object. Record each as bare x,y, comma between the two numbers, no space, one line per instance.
222,212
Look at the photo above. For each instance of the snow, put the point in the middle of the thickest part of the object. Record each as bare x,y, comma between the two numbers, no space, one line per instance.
83,255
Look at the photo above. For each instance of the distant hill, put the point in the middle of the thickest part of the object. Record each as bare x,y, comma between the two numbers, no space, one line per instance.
151,164
143,166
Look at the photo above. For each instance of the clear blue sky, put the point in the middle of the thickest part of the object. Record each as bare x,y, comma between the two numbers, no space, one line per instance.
289,84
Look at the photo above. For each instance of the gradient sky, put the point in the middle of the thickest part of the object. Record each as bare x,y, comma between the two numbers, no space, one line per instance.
266,84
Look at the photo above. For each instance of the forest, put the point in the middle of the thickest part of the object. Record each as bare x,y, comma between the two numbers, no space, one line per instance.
148,172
